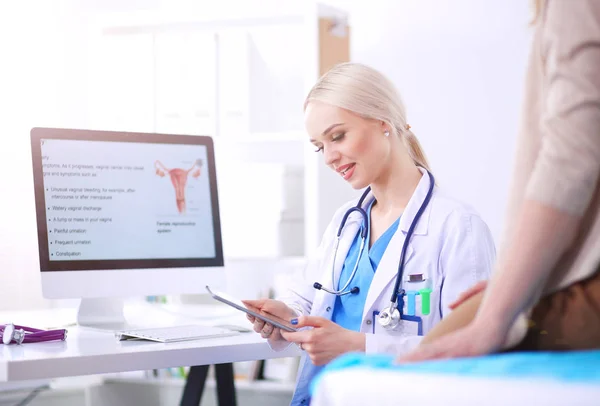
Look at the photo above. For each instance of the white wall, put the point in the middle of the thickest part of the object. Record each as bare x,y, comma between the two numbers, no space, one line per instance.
459,65
41,84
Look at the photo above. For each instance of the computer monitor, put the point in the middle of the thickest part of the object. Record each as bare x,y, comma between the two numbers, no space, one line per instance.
123,214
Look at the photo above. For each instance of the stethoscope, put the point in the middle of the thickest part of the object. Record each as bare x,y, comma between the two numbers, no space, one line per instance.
12,333
390,316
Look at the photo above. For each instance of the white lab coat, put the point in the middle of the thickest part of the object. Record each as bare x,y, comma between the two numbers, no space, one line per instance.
451,246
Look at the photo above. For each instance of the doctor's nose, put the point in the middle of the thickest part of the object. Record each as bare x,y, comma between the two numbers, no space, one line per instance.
331,156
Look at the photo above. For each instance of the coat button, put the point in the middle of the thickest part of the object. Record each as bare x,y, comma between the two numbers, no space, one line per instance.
369,322
328,309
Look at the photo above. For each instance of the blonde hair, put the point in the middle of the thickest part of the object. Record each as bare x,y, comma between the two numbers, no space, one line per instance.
365,91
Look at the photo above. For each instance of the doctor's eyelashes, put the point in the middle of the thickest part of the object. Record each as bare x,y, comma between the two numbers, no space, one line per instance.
335,138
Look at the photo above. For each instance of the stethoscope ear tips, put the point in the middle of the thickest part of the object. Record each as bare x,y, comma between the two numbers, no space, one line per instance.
355,290
317,286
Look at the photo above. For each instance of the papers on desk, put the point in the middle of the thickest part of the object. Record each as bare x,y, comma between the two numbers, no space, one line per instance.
174,333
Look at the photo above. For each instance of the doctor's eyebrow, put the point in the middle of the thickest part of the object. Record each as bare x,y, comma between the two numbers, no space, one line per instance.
324,133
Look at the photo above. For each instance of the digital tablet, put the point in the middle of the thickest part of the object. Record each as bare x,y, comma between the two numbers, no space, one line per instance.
264,316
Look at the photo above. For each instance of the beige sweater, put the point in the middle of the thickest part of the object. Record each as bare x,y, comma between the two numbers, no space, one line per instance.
558,156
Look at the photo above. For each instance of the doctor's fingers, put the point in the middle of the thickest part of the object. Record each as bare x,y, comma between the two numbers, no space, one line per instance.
255,303
276,335
311,321
267,330
258,325
303,337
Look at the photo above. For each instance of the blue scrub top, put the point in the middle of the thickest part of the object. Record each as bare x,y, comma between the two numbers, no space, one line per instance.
348,309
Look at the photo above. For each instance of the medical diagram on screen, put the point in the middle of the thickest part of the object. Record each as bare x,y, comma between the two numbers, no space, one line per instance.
179,179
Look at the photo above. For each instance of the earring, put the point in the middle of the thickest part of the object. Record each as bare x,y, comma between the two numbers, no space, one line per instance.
386,133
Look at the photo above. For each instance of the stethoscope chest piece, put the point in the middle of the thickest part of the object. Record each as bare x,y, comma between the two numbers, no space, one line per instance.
11,333
389,317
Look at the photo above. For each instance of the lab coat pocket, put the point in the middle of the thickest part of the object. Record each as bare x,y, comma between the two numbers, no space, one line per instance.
417,294
407,326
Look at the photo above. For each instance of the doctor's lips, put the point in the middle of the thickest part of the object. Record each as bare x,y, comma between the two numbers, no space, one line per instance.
179,179
346,170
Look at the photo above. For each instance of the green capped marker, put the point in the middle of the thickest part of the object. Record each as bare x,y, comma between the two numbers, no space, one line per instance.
425,303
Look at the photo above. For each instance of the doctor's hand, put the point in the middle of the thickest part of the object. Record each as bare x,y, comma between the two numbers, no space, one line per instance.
325,340
271,306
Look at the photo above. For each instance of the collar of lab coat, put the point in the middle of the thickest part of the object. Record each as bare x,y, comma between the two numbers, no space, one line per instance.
413,206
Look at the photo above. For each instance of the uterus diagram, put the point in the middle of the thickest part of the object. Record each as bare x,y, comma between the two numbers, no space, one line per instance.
179,178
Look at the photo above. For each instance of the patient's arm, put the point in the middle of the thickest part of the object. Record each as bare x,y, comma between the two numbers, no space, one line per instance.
458,318
517,283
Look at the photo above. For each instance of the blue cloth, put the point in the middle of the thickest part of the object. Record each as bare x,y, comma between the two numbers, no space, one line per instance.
568,366
348,309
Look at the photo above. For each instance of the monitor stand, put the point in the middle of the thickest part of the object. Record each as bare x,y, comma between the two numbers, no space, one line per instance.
104,314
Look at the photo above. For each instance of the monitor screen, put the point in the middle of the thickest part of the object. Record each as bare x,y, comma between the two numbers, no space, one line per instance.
119,200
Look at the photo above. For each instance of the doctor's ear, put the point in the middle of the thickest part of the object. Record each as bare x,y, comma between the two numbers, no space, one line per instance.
385,128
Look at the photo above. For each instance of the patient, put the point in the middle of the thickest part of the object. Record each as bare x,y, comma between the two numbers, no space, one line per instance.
545,289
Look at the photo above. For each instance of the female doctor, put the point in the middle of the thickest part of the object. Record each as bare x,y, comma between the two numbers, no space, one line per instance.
391,262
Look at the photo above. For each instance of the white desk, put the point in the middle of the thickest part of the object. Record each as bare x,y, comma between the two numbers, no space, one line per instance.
87,352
